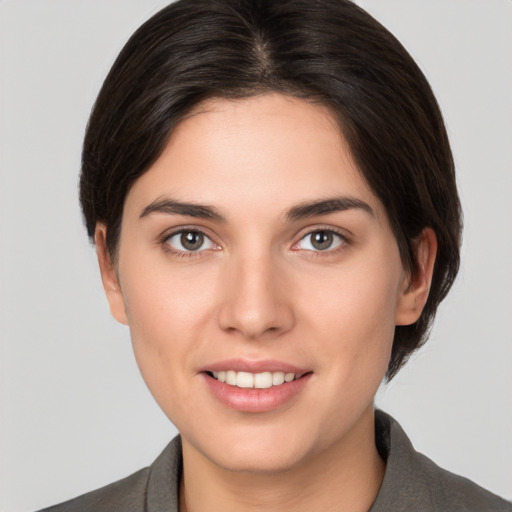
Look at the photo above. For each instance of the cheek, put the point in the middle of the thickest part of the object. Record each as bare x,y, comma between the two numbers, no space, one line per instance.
354,311
351,305
166,301
167,312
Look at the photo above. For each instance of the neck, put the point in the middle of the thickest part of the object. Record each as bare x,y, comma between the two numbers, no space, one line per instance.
344,477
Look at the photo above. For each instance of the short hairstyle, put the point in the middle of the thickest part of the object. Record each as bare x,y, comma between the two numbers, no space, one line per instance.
326,51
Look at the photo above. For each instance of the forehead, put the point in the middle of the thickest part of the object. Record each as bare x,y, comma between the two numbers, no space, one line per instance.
255,152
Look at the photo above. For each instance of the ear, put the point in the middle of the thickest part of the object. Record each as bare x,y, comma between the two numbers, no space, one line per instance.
414,293
109,276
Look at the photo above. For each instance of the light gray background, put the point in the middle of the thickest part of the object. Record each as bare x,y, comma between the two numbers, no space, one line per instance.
74,413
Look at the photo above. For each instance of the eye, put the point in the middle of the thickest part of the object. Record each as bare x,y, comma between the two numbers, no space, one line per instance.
190,241
321,240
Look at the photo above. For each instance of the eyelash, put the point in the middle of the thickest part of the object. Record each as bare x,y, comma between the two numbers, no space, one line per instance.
183,253
191,254
344,241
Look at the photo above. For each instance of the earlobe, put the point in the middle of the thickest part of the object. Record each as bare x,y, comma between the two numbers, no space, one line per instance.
109,276
416,288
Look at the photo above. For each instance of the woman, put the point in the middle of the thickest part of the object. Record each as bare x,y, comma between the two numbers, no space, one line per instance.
271,192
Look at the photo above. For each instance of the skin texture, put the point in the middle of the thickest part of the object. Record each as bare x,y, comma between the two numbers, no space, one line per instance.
259,290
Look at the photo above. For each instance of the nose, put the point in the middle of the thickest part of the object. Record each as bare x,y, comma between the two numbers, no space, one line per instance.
256,302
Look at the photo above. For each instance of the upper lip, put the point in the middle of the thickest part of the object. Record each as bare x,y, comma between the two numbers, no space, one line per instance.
246,365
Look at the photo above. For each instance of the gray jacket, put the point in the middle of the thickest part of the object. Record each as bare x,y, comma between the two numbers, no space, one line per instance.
412,482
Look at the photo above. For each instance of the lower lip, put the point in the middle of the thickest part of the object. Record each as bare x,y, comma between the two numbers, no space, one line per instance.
256,400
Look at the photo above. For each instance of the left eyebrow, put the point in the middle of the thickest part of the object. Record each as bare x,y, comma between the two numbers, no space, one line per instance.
326,206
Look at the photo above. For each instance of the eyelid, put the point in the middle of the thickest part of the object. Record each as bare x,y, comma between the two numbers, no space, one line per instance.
310,230
164,240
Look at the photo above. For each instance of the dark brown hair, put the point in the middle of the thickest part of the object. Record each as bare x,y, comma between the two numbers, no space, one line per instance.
330,51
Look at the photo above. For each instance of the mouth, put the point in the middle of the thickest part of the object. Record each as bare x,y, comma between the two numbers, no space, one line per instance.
256,387
247,380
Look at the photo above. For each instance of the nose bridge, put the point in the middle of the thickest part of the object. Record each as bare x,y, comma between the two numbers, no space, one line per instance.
254,303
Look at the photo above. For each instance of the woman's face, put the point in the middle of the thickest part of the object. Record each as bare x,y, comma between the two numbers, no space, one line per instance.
253,246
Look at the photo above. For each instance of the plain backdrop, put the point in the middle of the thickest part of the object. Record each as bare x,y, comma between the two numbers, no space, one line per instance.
74,412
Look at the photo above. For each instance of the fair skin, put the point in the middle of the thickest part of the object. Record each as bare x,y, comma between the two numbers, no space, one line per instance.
255,282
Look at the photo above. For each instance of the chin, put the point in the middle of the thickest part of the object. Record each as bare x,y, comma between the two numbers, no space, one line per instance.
259,461
254,448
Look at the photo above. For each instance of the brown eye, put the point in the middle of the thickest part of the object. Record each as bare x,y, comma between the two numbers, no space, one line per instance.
321,240
190,241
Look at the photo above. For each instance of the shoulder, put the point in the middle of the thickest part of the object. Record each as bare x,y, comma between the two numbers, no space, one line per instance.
414,482
446,488
151,489
125,494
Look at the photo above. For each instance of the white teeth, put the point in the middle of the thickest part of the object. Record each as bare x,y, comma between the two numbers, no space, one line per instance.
277,378
245,380
262,380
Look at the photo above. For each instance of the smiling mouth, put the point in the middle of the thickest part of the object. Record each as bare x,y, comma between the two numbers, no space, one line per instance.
263,380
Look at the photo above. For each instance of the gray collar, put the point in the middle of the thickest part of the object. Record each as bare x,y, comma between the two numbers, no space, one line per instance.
411,481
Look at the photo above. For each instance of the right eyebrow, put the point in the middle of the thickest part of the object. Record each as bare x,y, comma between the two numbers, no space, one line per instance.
169,206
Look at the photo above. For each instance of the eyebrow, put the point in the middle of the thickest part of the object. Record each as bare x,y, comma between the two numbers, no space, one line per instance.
326,206
172,207
304,210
